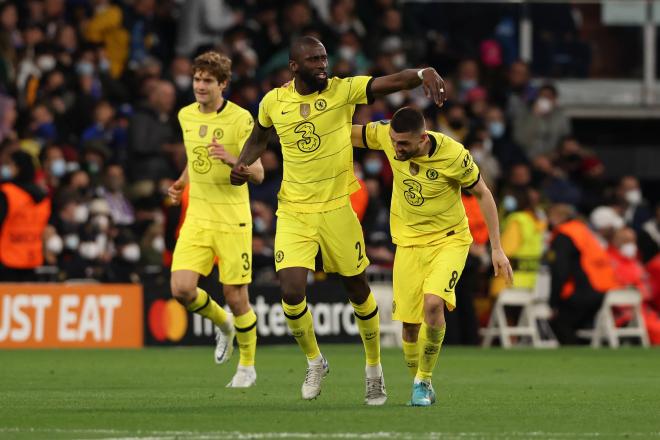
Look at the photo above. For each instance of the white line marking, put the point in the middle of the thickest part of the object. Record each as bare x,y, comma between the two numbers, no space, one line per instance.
125,434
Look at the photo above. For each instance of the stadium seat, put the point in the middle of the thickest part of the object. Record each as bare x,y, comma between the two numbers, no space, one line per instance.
524,329
542,310
605,327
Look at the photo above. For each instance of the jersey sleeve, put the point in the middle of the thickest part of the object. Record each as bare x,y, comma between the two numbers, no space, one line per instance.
264,116
359,90
244,127
463,169
372,134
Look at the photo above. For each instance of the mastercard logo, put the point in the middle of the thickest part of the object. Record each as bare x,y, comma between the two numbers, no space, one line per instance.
168,320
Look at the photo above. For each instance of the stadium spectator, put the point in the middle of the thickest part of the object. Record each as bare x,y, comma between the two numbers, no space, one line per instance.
649,237
8,115
152,135
631,273
630,200
520,93
24,211
202,23
112,190
523,235
606,222
539,129
581,273
105,27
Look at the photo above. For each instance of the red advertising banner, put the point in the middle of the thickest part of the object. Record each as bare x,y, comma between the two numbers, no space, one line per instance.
71,315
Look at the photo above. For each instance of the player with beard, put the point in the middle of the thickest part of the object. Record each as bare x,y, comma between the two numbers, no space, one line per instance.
430,229
312,116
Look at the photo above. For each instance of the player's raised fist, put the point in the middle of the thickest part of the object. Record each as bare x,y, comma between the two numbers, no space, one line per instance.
239,174
175,191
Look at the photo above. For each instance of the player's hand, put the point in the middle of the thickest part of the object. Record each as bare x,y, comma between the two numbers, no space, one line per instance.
434,86
217,151
502,266
240,174
175,191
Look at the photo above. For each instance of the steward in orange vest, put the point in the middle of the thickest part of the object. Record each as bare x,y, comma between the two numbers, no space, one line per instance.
24,213
581,274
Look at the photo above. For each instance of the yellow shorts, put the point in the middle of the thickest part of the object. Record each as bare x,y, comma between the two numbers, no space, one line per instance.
196,248
337,233
433,269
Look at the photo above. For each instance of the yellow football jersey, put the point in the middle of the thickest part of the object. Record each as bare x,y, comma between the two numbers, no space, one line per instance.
214,202
426,195
315,134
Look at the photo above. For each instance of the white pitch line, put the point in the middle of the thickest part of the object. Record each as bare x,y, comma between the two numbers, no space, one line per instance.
116,434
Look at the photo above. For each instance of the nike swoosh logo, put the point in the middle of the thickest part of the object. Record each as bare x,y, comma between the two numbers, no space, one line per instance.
284,113
244,275
369,338
448,291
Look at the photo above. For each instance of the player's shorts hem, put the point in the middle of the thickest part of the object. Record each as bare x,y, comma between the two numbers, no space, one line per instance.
449,301
294,264
192,269
237,282
351,273
409,321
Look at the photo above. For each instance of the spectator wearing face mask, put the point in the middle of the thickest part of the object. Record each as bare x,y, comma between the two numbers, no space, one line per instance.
454,122
112,190
631,201
539,129
123,268
53,165
522,240
24,211
630,273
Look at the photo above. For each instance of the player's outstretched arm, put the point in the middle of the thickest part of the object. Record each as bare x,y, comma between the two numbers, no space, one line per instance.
487,204
434,85
254,146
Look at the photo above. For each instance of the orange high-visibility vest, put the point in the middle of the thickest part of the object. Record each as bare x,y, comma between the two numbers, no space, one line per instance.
476,220
21,243
593,258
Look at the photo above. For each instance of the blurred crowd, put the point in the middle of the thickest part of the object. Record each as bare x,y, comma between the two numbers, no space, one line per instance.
89,91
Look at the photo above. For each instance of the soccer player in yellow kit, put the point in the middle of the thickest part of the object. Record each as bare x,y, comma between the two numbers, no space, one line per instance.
218,220
430,228
312,116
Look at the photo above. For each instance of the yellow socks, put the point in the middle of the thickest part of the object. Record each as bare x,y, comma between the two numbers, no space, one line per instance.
369,327
204,305
411,356
430,342
246,336
299,319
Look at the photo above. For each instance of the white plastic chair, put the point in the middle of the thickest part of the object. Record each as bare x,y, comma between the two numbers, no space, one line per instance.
525,328
605,328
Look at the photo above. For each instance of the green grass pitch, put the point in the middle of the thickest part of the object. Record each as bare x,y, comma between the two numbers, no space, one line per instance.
179,393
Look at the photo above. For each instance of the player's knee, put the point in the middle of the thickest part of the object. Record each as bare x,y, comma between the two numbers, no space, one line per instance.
182,291
409,332
292,293
236,298
357,287
434,310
